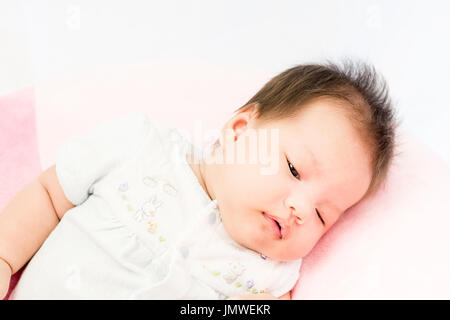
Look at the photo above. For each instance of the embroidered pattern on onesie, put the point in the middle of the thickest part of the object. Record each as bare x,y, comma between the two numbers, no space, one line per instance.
148,211
234,276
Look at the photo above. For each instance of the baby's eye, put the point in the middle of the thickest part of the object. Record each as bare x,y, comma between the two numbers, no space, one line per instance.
293,171
320,217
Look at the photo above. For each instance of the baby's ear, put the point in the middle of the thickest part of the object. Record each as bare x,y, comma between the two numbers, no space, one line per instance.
239,127
240,121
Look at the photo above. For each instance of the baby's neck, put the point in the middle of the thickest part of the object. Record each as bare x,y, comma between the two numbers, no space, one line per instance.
199,167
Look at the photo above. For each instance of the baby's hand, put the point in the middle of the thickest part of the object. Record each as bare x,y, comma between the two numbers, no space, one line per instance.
5,277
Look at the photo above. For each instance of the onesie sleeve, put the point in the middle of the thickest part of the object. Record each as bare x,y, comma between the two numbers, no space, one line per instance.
83,160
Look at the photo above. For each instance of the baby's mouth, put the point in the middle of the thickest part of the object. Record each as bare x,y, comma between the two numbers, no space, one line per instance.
276,227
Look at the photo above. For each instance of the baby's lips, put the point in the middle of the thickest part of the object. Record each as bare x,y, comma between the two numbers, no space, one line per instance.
284,231
275,227
284,226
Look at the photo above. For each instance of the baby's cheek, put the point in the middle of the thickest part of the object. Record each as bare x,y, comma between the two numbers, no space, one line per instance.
295,251
253,234
302,244
260,233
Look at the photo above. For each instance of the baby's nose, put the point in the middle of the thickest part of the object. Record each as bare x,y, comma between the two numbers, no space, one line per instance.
295,216
299,220
299,209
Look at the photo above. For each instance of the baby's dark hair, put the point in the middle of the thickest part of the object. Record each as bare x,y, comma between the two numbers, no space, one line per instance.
365,96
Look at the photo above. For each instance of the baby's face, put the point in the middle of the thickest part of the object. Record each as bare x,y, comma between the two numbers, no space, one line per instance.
321,169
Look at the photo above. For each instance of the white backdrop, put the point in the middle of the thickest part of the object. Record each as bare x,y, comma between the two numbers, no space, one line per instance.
406,40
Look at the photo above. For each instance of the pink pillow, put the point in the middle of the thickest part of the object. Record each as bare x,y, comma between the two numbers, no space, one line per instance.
19,155
394,245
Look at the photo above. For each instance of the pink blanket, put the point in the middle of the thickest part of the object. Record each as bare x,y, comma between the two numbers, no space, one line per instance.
19,155
392,246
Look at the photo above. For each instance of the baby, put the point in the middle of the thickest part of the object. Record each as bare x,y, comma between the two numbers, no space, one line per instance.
133,210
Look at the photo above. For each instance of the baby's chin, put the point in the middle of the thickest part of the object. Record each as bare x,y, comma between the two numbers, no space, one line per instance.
274,250
255,240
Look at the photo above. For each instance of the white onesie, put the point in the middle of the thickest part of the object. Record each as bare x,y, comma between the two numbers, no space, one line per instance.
142,226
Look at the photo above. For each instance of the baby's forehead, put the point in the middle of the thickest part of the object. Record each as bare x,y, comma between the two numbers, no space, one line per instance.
320,114
326,131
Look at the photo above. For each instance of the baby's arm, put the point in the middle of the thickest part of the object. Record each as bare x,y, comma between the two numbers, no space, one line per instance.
27,220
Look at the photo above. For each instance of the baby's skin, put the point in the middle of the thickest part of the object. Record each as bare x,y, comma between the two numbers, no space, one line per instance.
322,168
319,169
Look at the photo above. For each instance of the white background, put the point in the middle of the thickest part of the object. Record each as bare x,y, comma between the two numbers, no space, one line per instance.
406,40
